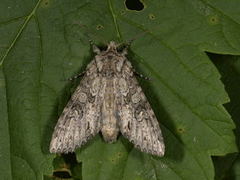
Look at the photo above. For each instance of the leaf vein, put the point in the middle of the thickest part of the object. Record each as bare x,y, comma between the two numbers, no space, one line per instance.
27,19
114,19
181,99
12,20
174,52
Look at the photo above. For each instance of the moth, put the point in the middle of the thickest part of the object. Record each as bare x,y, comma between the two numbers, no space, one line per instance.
108,100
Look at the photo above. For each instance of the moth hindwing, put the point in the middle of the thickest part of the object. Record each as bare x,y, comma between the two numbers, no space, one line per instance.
108,99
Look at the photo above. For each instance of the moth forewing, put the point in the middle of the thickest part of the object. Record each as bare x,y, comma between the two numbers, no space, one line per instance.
108,99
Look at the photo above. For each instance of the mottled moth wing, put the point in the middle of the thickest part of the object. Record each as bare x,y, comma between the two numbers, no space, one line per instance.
80,119
138,122
108,99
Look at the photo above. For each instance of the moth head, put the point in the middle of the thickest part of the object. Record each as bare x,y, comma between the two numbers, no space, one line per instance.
112,46
116,48
120,48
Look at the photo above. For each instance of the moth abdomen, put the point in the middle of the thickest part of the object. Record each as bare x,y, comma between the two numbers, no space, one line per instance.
110,134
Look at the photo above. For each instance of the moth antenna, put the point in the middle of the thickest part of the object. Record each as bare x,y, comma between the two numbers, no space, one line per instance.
94,47
130,41
91,32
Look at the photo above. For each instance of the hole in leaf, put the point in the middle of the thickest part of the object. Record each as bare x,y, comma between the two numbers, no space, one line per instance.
66,166
134,5
62,174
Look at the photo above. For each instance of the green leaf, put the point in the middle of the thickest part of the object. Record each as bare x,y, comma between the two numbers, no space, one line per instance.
227,167
45,42
4,132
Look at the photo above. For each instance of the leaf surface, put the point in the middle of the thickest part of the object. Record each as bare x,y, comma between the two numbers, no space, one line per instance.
45,42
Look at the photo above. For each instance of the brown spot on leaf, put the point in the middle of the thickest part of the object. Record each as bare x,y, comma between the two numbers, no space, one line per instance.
99,27
152,16
213,20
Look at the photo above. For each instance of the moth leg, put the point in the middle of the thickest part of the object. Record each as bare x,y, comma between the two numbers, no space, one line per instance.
77,76
141,75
